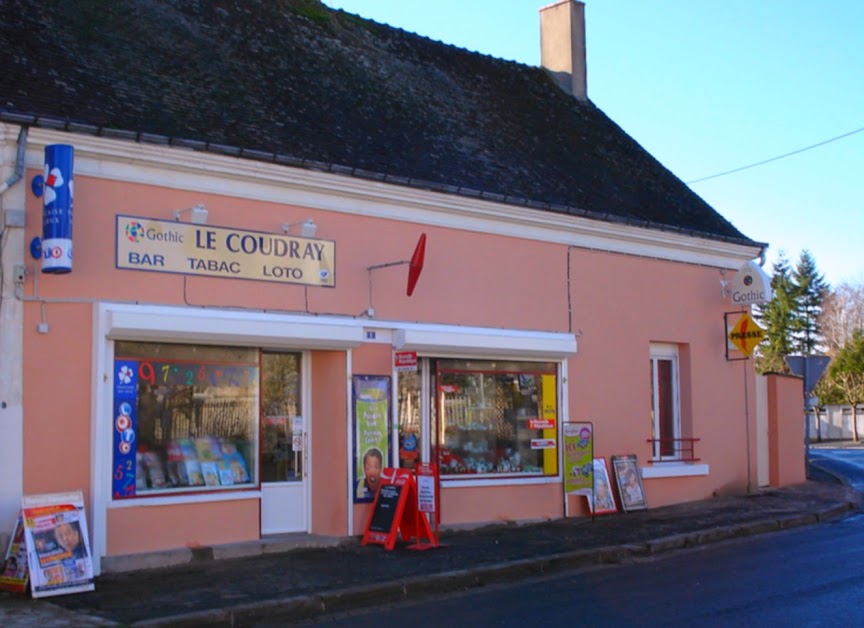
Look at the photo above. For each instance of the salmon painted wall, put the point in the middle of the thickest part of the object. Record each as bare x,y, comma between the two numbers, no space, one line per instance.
371,359
622,304
488,280
786,430
155,528
501,503
328,487
57,406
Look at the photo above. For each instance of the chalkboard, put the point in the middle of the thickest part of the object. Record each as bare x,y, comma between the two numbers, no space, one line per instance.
385,508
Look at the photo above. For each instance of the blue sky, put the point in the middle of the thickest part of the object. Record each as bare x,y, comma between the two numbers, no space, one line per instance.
708,87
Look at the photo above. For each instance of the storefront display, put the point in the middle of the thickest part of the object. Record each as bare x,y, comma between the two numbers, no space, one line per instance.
185,418
489,418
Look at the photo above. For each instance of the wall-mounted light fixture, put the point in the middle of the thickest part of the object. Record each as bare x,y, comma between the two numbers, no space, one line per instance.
197,215
308,228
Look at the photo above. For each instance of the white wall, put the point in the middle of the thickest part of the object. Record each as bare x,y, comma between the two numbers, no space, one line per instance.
11,326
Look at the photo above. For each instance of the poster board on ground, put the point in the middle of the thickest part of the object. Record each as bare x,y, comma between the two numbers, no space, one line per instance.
628,477
394,512
603,501
58,546
14,576
578,469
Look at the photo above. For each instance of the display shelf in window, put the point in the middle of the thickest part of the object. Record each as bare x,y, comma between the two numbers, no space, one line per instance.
489,419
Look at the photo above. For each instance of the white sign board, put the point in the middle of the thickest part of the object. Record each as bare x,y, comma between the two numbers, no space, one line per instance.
751,286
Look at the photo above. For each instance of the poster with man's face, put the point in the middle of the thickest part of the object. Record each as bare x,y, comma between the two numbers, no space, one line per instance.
372,433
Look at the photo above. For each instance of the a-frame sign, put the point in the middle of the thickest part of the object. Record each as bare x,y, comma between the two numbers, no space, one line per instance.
395,512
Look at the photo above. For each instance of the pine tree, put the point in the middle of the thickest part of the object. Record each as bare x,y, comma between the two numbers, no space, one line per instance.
777,317
810,290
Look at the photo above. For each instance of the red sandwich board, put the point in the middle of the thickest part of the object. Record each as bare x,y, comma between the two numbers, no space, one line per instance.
394,511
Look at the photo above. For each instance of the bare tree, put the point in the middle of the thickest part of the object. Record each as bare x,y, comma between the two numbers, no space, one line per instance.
842,314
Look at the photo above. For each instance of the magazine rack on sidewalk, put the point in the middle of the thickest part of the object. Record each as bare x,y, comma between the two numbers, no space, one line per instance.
395,511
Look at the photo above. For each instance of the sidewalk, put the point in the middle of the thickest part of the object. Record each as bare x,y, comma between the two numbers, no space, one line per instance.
304,583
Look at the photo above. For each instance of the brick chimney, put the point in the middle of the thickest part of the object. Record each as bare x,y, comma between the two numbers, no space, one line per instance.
562,45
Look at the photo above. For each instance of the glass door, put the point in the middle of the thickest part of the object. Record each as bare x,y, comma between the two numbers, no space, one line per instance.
283,444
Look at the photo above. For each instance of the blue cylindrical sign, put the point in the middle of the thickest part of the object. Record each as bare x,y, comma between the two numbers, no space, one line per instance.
57,197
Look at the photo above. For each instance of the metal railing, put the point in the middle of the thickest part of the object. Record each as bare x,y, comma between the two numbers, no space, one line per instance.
673,449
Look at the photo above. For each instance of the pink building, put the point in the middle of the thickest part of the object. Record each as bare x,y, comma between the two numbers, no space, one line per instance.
235,334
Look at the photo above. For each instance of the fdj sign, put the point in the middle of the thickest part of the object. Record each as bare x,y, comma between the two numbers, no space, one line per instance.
172,247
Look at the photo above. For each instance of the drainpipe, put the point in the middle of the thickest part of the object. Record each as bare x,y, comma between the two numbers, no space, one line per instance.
19,162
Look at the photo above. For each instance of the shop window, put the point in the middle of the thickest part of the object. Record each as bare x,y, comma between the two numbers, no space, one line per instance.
665,402
185,418
409,419
495,418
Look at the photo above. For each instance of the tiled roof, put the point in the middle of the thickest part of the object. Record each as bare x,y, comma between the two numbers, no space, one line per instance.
295,82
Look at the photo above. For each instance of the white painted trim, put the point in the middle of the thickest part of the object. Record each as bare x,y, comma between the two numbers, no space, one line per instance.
308,422
259,329
101,437
349,413
185,169
674,470
178,499
447,340
491,482
12,420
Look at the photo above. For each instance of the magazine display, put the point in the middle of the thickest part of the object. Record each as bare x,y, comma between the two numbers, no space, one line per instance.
204,461
15,574
58,549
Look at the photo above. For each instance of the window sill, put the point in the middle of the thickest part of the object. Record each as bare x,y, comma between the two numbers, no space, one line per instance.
674,470
176,499
493,481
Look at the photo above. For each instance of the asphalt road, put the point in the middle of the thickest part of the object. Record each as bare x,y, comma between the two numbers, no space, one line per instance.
807,577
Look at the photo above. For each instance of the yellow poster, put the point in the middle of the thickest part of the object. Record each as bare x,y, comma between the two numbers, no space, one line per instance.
549,412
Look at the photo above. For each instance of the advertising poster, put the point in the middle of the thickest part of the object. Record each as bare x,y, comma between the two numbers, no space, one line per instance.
58,548
578,456
14,575
372,433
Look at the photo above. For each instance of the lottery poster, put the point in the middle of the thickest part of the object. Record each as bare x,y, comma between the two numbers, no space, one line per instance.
125,427
58,544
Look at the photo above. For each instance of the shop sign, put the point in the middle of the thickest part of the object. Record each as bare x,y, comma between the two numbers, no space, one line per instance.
542,443
745,335
751,286
541,424
405,361
168,246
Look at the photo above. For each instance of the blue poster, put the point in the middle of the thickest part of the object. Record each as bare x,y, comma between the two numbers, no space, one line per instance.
125,428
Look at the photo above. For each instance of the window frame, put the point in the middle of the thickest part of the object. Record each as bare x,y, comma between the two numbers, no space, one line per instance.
174,353
665,352
428,371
